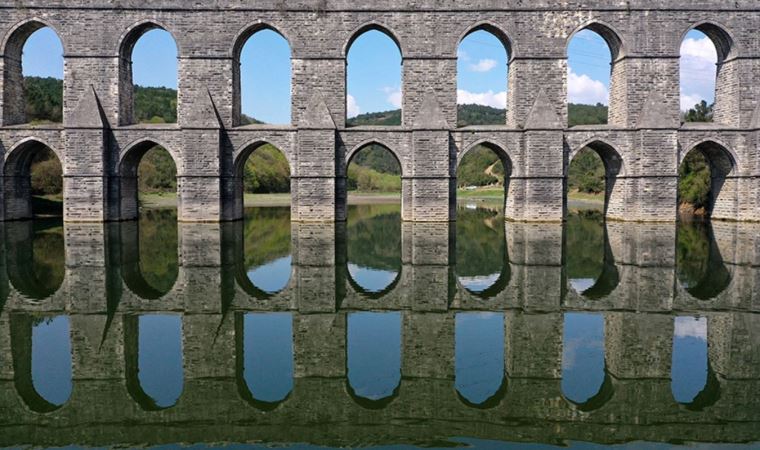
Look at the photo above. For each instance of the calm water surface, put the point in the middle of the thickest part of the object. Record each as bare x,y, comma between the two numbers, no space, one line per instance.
378,333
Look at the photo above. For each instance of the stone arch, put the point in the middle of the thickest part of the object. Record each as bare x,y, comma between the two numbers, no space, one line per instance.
21,326
724,186
495,30
727,82
610,35
375,141
373,26
128,165
491,402
18,180
242,38
614,168
239,162
504,156
127,42
342,203
618,96
13,100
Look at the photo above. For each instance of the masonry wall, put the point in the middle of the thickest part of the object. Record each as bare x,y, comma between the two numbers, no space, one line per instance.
644,128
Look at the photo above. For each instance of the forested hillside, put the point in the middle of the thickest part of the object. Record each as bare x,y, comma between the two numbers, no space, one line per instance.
372,169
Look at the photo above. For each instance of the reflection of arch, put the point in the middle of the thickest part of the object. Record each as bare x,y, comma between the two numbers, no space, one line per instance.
373,295
367,403
127,43
491,402
601,398
14,103
131,271
20,240
21,349
240,41
722,162
18,177
242,386
372,26
132,366
609,279
129,164
614,167
707,396
716,277
501,283
493,29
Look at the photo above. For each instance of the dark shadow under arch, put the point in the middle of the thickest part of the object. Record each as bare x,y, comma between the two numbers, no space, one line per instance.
370,404
722,165
715,278
708,396
609,278
491,402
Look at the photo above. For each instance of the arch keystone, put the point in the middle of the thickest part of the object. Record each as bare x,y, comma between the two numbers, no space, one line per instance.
430,115
542,114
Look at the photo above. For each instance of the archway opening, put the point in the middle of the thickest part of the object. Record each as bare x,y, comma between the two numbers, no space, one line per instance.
374,218
33,76
373,347
479,358
263,186
690,363
705,189
266,367
42,361
262,78
154,360
374,79
148,76
148,175
33,182
483,176
592,180
708,83
482,77
585,381
593,71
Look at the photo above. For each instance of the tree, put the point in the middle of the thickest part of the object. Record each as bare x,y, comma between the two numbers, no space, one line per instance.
701,112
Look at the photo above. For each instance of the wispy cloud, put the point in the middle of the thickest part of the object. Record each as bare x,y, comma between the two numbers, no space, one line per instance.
484,65
489,98
352,108
585,90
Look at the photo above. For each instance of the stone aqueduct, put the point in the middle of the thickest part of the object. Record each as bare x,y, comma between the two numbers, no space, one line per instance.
100,145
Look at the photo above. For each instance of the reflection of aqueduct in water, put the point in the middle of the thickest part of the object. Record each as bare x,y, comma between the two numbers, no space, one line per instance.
642,146
638,309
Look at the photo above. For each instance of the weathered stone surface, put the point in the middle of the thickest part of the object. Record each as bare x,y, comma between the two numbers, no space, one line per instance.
644,140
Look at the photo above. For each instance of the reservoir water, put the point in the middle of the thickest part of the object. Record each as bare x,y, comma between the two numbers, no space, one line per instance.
377,333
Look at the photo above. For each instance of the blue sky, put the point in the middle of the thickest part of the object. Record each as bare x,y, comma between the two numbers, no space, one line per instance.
374,70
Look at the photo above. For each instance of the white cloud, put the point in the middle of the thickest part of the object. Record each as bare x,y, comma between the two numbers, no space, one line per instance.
698,58
490,98
461,54
695,327
352,109
393,96
484,65
585,90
